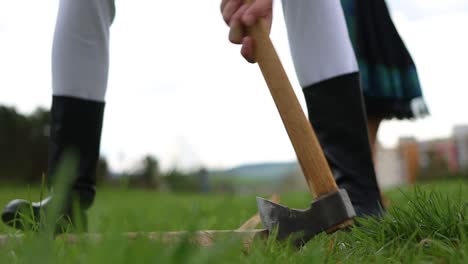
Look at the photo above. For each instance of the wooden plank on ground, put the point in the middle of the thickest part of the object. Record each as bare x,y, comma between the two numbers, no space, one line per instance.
246,232
202,238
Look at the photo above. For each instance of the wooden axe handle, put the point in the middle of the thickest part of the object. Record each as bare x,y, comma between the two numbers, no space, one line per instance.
309,153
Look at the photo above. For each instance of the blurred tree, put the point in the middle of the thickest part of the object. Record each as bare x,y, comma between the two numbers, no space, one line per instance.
204,180
23,145
38,142
150,172
146,174
178,181
102,171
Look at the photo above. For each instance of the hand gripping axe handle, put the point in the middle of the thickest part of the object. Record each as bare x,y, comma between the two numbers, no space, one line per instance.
309,153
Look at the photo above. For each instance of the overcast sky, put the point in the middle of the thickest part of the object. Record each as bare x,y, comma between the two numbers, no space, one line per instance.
180,91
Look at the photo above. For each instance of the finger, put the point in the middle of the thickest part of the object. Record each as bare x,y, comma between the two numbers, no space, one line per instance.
237,30
239,13
247,50
257,9
236,33
223,4
230,9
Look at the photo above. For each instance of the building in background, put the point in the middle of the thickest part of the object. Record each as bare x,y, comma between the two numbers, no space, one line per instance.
413,159
438,157
409,151
460,134
389,167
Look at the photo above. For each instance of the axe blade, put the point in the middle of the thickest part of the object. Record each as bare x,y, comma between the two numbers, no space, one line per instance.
325,213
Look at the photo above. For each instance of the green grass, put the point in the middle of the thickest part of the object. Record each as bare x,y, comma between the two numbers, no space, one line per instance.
428,224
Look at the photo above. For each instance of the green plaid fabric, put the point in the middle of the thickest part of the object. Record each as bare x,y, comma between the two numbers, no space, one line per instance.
389,77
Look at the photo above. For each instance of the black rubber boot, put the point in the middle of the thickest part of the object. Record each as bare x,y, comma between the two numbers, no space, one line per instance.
336,112
75,128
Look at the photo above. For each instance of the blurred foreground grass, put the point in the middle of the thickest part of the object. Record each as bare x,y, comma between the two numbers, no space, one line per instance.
426,224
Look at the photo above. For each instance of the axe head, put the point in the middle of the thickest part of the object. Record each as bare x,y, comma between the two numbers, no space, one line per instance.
325,213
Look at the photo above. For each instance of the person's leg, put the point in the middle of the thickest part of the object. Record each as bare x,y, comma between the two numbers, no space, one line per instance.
80,58
80,65
327,70
336,112
80,62
373,124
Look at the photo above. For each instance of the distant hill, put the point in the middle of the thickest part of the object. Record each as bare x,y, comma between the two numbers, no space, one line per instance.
260,171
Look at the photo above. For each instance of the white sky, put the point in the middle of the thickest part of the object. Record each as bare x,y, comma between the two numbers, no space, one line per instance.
180,91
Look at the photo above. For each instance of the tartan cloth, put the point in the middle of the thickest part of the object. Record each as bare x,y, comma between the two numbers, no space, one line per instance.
389,77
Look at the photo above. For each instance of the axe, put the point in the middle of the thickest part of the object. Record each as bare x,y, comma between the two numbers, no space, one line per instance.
332,209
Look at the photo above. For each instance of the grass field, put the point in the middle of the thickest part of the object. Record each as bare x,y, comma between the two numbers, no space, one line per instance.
426,224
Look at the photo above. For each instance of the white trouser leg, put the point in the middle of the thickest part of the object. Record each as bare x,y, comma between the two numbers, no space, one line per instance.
319,40
80,56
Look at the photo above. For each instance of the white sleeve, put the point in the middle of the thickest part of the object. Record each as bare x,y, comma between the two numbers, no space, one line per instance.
319,40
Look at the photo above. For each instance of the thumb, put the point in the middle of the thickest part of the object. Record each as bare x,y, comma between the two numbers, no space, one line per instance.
258,9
